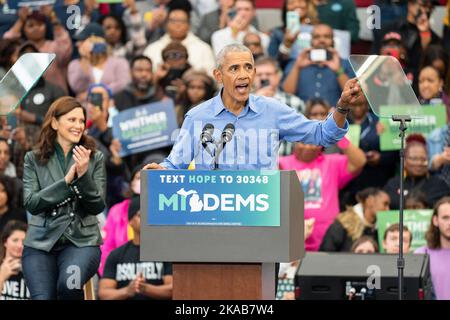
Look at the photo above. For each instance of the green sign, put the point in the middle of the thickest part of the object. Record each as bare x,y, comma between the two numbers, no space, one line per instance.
353,134
424,120
417,222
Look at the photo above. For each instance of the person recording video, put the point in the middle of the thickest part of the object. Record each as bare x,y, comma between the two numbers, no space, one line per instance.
170,71
415,32
96,64
318,71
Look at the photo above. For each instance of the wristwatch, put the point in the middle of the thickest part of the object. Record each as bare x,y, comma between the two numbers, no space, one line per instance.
344,111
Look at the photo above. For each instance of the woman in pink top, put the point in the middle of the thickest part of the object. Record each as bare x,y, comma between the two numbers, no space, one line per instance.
32,26
96,64
321,177
115,231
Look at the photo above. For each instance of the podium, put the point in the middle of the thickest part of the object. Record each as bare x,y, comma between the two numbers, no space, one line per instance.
222,254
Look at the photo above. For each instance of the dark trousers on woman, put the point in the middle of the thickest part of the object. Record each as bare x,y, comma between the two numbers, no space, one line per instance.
61,273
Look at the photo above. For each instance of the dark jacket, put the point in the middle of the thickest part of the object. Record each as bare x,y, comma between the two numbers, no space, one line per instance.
433,187
60,209
371,175
127,99
344,231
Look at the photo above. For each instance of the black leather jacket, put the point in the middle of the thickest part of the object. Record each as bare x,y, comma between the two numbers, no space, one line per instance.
60,209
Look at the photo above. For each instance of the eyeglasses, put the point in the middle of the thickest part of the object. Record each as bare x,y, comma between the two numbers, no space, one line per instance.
174,55
418,159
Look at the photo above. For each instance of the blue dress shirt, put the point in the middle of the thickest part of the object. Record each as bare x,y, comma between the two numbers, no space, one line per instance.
258,130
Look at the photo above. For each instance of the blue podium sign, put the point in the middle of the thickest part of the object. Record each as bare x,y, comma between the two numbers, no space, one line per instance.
213,198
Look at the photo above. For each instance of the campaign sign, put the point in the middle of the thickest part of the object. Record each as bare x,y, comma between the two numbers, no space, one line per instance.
145,127
29,3
417,222
213,198
424,120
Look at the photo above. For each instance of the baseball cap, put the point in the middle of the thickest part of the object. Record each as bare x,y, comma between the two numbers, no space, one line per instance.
392,37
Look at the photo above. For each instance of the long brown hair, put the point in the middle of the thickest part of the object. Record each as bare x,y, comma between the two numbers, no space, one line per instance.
46,142
433,235
8,230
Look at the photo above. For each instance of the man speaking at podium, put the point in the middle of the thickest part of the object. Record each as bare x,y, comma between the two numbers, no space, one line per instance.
237,130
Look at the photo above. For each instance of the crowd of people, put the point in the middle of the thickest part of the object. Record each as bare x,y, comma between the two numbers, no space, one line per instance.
136,53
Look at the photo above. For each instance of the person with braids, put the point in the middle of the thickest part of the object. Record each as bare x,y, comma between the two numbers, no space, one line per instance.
349,226
64,189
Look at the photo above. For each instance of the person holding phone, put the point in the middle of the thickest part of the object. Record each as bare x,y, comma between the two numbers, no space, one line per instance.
218,19
64,190
294,13
11,276
169,73
100,112
416,33
318,71
96,64
240,23
267,83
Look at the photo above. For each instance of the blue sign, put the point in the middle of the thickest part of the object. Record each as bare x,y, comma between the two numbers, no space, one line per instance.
145,127
213,198
29,3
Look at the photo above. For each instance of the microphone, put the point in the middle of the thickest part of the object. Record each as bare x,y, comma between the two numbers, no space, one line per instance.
207,132
206,137
227,133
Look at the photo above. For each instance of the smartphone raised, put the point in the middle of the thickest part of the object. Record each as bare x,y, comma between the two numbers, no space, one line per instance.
265,83
96,99
317,55
293,22
174,74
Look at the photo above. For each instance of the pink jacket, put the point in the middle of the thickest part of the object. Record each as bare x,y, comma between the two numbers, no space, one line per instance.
115,231
116,75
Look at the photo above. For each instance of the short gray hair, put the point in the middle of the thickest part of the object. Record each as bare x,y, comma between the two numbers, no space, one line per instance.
234,47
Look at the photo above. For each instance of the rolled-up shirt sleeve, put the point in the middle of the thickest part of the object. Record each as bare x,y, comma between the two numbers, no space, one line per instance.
295,127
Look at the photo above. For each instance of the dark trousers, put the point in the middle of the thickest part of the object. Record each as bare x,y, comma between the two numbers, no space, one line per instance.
61,273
